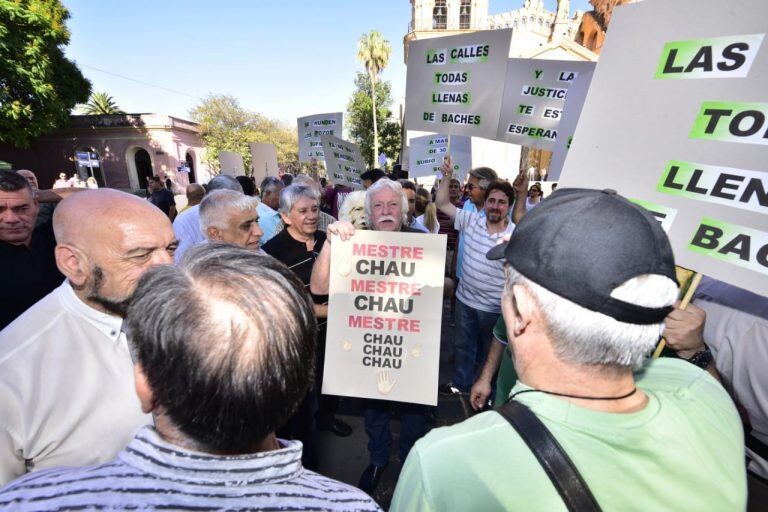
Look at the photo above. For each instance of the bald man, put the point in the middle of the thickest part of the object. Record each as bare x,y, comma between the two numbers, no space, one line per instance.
66,376
195,193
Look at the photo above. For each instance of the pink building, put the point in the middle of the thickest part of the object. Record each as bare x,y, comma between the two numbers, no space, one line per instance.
121,151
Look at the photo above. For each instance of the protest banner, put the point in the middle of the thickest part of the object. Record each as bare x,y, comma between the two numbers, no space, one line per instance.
535,93
311,128
568,123
384,316
343,161
454,83
231,163
426,155
263,160
676,117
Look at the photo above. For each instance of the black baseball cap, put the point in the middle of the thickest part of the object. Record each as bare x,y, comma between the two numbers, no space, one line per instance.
581,244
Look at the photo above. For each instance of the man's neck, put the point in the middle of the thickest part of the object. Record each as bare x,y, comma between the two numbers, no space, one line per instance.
174,436
82,294
496,227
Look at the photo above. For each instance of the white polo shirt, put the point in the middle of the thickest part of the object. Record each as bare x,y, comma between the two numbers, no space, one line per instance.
66,387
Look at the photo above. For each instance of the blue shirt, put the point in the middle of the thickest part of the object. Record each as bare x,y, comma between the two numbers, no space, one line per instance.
268,221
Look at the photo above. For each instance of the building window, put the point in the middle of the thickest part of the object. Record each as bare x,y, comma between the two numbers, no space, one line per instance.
514,24
465,14
440,15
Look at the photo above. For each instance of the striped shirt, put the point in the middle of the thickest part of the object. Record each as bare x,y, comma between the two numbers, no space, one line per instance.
151,474
482,280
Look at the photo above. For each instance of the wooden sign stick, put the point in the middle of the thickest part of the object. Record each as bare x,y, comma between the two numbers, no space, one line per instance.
683,304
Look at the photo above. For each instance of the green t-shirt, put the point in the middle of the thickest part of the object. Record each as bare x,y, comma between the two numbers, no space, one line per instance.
683,451
507,376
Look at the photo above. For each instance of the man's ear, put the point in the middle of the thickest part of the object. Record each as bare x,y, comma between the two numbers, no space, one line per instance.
524,306
72,263
286,221
213,233
143,390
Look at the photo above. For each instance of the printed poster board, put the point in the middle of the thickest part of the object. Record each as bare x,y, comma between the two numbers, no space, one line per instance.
384,316
568,124
343,161
311,128
450,85
426,155
231,163
677,117
263,160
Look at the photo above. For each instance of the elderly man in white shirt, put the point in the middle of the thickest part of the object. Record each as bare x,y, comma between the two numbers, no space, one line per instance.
186,226
66,375
232,218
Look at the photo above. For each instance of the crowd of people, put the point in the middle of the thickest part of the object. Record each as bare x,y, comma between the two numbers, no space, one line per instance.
150,359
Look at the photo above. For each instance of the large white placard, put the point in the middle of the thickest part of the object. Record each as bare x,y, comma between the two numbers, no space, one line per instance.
311,128
384,316
231,163
451,86
263,160
343,161
568,124
676,118
426,155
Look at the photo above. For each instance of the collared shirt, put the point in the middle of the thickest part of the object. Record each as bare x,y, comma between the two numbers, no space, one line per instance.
186,227
482,280
27,274
418,226
152,472
66,387
268,220
468,206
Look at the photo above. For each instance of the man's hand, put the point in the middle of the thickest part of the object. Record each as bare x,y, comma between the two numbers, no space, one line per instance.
478,395
520,185
683,330
342,229
447,169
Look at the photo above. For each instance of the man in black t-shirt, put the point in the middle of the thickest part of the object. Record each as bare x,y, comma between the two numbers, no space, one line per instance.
161,196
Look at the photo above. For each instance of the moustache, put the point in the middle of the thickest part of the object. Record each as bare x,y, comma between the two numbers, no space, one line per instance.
387,218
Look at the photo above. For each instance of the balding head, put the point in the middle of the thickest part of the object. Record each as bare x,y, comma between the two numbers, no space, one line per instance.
29,176
195,193
106,240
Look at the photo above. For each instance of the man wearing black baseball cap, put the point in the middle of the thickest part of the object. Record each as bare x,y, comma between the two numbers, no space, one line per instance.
590,278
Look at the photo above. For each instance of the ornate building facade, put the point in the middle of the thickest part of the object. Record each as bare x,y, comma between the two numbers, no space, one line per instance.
594,24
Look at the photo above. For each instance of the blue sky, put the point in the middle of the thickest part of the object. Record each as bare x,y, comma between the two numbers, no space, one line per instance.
283,59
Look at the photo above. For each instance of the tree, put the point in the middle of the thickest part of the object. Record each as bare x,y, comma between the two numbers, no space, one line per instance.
38,85
360,118
100,103
227,126
373,51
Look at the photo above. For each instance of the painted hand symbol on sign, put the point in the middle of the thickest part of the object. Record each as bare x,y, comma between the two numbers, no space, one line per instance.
385,384
416,351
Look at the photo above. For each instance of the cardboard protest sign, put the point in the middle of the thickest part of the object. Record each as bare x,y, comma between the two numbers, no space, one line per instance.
426,155
231,163
535,94
677,117
568,123
384,317
454,83
263,160
311,128
343,161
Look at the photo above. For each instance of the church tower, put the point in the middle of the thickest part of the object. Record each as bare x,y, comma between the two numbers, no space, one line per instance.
562,23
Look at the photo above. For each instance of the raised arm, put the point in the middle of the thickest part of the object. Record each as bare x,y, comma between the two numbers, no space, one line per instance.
320,281
521,195
442,198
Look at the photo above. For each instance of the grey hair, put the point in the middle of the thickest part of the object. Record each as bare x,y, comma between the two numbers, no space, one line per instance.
583,337
269,184
293,193
216,206
224,182
307,181
226,340
396,187
485,176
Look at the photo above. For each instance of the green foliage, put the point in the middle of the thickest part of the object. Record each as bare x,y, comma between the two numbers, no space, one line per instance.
227,126
360,118
374,51
100,103
38,85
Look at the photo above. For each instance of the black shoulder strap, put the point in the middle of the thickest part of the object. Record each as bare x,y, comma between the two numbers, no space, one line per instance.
553,459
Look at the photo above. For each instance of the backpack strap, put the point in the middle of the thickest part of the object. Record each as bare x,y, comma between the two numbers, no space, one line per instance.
553,459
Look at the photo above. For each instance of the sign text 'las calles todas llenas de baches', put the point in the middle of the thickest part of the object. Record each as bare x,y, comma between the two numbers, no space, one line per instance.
384,316
689,139
427,154
311,128
343,161
455,84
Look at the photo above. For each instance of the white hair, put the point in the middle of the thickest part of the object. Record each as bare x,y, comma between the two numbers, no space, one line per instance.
289,195
395,187
584,337
354,201
216,207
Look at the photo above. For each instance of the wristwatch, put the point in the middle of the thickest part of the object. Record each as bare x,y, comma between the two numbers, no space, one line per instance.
702,358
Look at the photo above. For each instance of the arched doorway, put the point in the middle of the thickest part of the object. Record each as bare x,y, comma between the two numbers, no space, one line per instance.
190,159
143,164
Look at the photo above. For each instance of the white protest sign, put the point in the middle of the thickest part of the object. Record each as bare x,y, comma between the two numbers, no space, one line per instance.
677,118
311,128
231,163
343,161
535,94
263,160
384,316
454,83
426,154
568,123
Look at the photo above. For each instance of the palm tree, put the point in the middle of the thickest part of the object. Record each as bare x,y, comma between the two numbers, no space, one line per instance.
100,103
373,51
